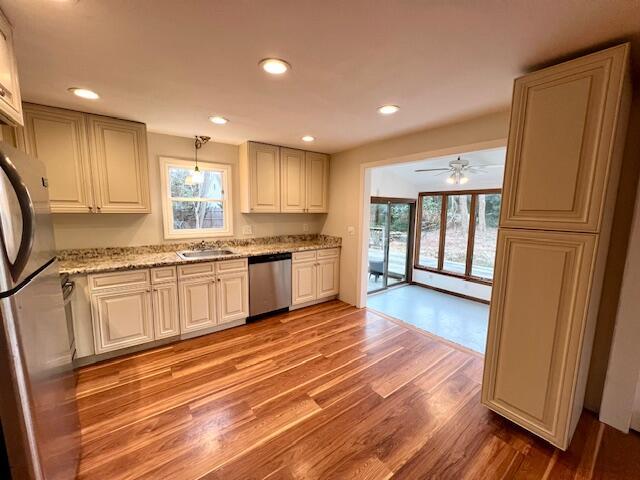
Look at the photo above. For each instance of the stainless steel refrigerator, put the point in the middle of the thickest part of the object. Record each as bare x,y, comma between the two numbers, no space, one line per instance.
37,404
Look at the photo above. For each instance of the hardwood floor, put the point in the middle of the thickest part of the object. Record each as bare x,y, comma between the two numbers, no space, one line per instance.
325,392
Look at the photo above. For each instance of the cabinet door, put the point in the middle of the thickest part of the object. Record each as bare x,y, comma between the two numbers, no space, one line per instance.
303,282
264,165
233,296
328,272
165,310
293,185
197,304
10,102
317,182
563,124
121,167
121,319
59,139
536,326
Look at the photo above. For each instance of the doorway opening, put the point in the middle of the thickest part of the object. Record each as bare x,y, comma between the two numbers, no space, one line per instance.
391,237
442,262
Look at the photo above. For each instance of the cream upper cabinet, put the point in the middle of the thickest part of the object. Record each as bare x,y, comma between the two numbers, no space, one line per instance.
538,316
259,178
94,164
317,182
119,152
282,180
10,103
233,296
564,157
293,180
121,318
563,125
58,138
197,304
166,321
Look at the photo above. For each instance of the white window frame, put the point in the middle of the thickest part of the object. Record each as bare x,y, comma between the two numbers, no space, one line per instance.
167,207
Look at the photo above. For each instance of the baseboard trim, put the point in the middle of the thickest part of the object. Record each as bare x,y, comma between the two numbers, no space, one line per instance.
455,294
313,302
91,359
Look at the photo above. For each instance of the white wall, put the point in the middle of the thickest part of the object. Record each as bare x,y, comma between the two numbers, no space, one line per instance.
114,230
385,183
346,191
452,284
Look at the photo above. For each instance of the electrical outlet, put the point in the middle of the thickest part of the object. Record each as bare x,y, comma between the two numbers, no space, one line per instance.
351,230
247,230
305,227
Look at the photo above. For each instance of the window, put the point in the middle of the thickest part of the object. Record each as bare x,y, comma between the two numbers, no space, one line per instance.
429,241
195,210
458,232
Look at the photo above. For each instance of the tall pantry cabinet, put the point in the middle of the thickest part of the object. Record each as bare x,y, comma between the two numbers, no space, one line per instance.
568,124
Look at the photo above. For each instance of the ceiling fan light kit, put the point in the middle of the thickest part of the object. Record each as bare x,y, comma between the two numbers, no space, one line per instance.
457,169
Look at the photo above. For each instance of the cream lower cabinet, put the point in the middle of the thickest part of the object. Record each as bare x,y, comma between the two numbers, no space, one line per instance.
197,304
213,294
122,318
315,275
233,296
164,293
538,316
303,282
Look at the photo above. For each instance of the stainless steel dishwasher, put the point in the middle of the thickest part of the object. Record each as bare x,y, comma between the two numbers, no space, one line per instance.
269,283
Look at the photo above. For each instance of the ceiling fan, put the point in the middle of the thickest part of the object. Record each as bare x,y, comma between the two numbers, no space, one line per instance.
458,170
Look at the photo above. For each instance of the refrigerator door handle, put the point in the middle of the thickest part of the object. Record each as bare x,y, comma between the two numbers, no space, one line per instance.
28,217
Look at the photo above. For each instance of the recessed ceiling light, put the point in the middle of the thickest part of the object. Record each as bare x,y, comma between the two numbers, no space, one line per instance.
218,120
308,138
274,66
84,93
388,109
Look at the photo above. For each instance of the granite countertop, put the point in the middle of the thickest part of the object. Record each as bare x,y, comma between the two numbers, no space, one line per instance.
100,260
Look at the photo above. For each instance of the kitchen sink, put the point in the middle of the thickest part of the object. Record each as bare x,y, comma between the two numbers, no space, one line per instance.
189,254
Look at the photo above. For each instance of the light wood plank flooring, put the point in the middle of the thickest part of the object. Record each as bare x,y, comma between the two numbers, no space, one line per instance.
326,392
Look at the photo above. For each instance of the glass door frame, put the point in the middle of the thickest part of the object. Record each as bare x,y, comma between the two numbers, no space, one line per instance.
386,241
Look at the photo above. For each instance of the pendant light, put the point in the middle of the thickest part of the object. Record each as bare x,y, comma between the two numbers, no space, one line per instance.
197,177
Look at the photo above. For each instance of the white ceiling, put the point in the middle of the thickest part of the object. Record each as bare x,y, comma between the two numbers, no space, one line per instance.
173,63
430,182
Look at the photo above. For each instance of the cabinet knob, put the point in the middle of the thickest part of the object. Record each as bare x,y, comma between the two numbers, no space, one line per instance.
99,208
90,209
2,92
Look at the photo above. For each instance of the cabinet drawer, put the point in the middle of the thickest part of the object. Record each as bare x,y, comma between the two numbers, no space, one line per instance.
238,265
197,270
304,256
328,253
163,275
132,278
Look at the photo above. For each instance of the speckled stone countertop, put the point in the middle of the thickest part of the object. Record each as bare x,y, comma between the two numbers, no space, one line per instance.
99,260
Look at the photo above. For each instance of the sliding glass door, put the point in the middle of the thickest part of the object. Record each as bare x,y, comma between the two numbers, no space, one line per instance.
390,242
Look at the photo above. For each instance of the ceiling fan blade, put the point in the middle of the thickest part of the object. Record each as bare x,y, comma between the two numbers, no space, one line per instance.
489,166
441,173
432,169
